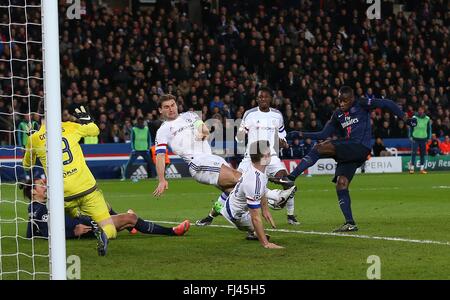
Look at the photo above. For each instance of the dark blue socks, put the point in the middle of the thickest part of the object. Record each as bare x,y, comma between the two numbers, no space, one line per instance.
345,205
309,160
152,228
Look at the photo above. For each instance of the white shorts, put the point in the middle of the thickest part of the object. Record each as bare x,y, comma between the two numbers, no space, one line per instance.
244,222
273,168
205,168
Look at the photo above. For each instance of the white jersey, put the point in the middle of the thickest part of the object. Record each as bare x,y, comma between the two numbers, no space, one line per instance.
247,193
180,135
263,126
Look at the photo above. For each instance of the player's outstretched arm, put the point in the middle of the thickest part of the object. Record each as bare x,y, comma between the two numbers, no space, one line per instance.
383,103
392,106
266,212
259,229
326,132
161,171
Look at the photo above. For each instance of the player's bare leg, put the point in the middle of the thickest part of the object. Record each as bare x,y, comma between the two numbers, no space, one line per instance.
123,221
228,178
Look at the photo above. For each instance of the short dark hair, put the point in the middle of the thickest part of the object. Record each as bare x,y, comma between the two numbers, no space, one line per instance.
27,187
266,89
346,92
41,108
258,149
164,98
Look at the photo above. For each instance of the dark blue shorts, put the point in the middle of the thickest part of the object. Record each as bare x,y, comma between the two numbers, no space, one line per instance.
349,157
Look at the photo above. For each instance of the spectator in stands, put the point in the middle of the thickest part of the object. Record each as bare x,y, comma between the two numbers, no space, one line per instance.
433,146
25,129
286,151
400,130
378,149
306,147
385,131
110,57
297,149
445,146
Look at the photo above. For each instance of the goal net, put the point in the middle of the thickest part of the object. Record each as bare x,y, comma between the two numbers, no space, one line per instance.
24,254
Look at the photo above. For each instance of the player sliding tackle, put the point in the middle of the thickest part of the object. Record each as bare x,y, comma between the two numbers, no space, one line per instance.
351,123
186,134
247,200
261,123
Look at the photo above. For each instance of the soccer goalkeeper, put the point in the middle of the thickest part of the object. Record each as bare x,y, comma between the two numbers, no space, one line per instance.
81,194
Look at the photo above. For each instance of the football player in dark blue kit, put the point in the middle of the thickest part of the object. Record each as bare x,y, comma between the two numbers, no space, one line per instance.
351,124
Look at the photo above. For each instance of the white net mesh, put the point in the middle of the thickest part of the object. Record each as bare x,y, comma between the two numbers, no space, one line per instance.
21,88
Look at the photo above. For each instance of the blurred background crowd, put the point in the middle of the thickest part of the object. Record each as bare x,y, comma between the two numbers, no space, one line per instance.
118,62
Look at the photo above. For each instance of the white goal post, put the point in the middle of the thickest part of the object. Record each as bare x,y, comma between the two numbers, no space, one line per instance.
30,72
52,96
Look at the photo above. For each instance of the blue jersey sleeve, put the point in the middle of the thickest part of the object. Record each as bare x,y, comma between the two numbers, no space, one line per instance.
329,129
70,226
372,103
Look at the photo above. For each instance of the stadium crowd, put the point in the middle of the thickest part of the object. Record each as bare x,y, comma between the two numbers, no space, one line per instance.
119,63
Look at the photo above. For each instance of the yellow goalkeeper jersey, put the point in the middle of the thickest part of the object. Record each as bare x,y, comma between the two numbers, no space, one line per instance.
78,179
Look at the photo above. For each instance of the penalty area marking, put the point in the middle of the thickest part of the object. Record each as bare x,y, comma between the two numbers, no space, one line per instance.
357,236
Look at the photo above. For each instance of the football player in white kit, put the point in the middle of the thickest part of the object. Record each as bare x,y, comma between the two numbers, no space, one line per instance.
247,201
186,134
262,123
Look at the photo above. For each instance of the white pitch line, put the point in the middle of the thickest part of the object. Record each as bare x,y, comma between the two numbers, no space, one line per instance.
358,236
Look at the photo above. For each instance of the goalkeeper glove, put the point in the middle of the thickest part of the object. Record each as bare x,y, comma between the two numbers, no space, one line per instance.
82,115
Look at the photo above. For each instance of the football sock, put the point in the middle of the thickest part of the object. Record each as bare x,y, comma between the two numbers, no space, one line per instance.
223,197
209,218
152,228
110,231
345,205
290,207
309,160
217,207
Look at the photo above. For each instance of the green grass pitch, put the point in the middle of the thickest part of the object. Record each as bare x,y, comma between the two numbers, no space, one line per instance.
414,208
